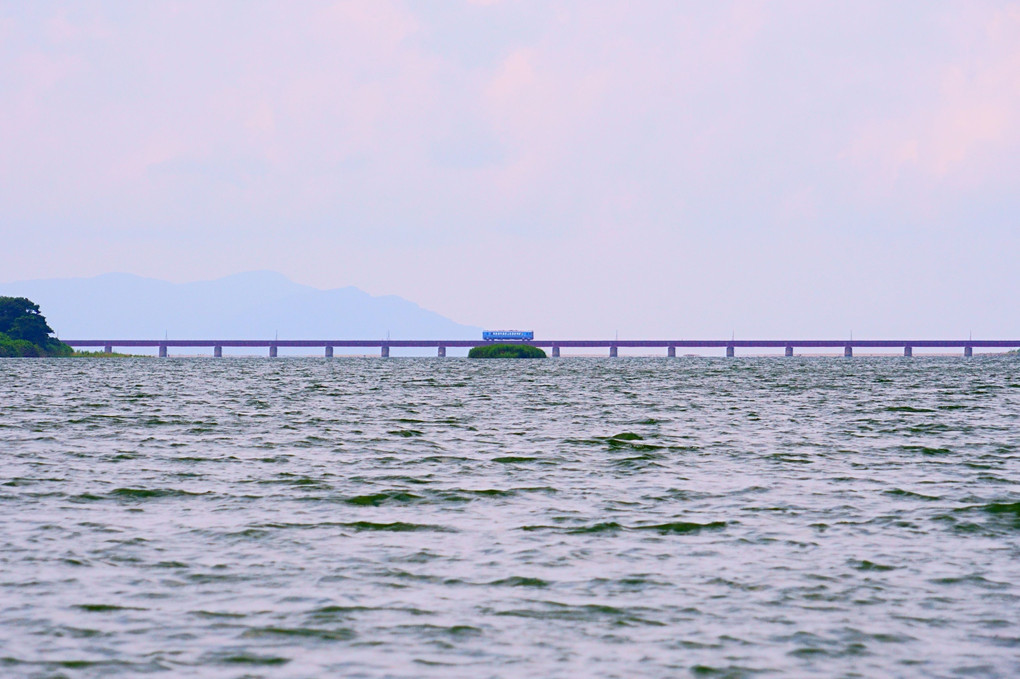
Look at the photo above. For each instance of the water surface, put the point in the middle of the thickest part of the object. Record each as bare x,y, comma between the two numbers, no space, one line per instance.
559,518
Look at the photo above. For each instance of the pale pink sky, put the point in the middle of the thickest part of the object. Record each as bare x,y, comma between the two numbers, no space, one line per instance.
576,166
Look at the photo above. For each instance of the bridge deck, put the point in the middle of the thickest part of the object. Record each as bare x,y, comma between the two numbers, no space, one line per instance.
565,344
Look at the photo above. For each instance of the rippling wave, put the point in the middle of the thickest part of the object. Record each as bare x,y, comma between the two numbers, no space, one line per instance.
453,518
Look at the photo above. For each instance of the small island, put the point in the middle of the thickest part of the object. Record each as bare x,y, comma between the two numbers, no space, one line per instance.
506,351
24,331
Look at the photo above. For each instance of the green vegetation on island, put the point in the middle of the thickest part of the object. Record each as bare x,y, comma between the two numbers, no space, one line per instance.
24,332
100,354
506,351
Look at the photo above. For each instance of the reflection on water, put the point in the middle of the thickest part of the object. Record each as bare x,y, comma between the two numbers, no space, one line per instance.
453,518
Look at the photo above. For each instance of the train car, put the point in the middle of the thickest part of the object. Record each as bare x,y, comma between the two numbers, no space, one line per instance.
503,335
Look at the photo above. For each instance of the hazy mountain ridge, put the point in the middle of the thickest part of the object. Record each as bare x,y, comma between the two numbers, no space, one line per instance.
252,305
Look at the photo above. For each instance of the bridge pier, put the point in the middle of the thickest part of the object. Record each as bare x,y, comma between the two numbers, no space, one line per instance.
555,351
968,352
848,351
162,351
671,351
217,351
730,351
442,351
272,351
908,351
108,349
384,352
614,351
789,351
329,351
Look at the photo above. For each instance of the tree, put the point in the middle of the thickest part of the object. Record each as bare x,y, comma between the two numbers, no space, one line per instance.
20,319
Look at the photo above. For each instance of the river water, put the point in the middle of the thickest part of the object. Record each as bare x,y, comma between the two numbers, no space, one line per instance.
633,517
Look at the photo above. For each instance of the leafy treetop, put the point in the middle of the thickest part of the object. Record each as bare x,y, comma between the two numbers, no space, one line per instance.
20,319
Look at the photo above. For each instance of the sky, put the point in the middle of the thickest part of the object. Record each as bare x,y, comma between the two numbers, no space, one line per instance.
583,168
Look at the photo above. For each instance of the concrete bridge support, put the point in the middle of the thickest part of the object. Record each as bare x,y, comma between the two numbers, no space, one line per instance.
384,351
789,351
614,351
442,351
162,351
108,349
671,351
730,351
329,351
908,351
555,351
968,352
217,351
848,351
272,351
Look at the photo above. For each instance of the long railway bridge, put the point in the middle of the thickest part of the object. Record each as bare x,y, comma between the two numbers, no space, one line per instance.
613,346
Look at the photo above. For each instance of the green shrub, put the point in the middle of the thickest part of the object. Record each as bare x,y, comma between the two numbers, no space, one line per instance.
18,348
506,351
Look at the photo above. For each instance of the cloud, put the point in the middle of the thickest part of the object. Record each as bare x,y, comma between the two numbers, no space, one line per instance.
964,134
604,148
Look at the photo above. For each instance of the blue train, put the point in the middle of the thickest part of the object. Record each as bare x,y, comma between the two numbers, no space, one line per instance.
493,335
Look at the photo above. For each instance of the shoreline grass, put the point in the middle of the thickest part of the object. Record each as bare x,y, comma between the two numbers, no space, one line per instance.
101,354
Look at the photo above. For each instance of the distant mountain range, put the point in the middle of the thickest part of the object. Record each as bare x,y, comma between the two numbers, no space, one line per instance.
254,305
